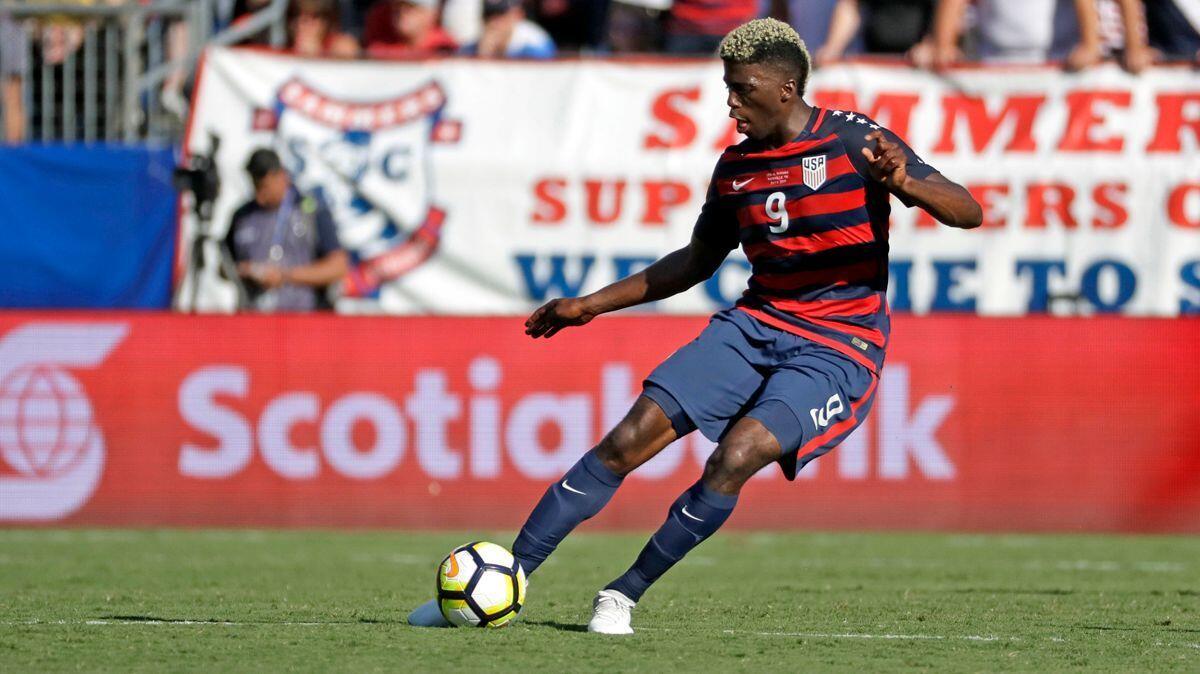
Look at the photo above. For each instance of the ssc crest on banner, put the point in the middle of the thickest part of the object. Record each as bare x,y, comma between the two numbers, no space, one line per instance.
370,161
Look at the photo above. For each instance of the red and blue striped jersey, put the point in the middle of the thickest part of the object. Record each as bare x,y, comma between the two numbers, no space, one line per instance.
814,227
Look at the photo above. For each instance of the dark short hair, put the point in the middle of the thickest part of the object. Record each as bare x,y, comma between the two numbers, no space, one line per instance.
771,42
263,162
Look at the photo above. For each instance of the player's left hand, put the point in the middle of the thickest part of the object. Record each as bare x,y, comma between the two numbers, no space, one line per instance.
556,315
887,163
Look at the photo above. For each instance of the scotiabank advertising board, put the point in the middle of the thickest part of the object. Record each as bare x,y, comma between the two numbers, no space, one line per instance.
980,424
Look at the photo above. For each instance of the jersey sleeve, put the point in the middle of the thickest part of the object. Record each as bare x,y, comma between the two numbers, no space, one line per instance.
714,226
855,139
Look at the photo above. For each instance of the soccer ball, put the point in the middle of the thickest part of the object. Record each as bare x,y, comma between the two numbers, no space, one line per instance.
480,585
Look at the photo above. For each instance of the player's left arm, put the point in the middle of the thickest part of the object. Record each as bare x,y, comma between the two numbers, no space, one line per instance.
888,162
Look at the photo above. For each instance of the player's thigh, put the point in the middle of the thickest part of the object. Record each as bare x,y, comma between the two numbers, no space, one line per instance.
709,382
638,437
812,402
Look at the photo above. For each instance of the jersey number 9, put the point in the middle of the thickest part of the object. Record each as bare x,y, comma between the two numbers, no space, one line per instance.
777,210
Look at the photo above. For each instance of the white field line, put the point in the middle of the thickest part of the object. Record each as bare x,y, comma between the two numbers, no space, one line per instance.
806,635
812,635
226,623
853,635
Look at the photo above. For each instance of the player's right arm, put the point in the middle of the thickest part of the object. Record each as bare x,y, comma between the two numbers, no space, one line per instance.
670,275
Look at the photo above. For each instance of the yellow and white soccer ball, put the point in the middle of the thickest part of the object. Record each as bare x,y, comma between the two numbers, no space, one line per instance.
480,585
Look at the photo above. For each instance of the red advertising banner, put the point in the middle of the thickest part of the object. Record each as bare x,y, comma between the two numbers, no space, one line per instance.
980,424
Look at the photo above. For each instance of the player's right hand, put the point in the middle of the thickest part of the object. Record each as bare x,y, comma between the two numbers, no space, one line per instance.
556,315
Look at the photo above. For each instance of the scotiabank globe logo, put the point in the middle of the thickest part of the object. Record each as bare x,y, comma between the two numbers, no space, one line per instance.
48,435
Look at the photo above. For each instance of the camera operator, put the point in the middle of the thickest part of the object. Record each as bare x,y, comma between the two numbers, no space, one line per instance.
284,243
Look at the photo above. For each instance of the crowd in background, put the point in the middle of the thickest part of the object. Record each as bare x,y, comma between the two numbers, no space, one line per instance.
928,33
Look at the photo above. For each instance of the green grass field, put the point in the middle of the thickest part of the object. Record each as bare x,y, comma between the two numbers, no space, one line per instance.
304,600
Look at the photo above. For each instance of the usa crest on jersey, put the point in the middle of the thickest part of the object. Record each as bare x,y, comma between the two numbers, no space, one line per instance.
814,171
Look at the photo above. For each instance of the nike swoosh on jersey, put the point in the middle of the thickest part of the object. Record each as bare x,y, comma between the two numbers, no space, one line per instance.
737,185
570,488
685,512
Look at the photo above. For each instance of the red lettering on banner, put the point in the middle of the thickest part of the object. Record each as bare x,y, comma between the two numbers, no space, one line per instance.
1053,198
1082,119
662,196
1111,212
891,109
984,126
1173,118
604,200
550,208
1177,202
988,196
679,127
730,137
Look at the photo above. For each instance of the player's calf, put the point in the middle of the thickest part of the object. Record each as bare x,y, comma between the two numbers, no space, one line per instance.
703,508
589,484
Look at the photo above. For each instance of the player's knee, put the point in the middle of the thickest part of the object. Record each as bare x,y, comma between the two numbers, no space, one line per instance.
733,462
619,449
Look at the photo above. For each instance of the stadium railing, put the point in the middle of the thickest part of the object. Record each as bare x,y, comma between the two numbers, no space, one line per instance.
109,88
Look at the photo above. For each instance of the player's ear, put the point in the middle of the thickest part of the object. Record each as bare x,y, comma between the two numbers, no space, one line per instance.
787,91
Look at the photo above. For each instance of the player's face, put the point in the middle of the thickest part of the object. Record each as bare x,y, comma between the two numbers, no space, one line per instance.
758,98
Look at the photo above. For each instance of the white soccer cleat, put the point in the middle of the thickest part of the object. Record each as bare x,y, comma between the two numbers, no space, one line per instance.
611,613
427,615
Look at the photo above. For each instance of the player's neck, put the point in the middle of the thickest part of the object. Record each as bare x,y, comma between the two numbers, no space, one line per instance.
795,123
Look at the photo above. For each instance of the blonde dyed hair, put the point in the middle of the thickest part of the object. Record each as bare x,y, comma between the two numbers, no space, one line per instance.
769,41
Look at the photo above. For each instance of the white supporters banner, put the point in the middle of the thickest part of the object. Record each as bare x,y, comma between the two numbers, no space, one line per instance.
483,187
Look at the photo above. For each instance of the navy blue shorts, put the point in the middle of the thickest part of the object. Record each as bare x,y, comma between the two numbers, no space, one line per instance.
809,396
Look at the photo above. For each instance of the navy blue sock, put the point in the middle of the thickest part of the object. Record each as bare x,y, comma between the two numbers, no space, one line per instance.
695,515
579,495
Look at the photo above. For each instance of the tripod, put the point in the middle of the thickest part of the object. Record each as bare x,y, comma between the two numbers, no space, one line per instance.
201,178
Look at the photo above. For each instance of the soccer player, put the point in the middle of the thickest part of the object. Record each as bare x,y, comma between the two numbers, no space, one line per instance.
789,371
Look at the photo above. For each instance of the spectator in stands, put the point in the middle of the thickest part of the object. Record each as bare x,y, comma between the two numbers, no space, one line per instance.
635,26
403,28
886,26
463,20
508,34
242,11
1122,29
284,243
812,19
697,26
313,31
1173,28
1014,31
14,47
243,8
353,14
575,25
